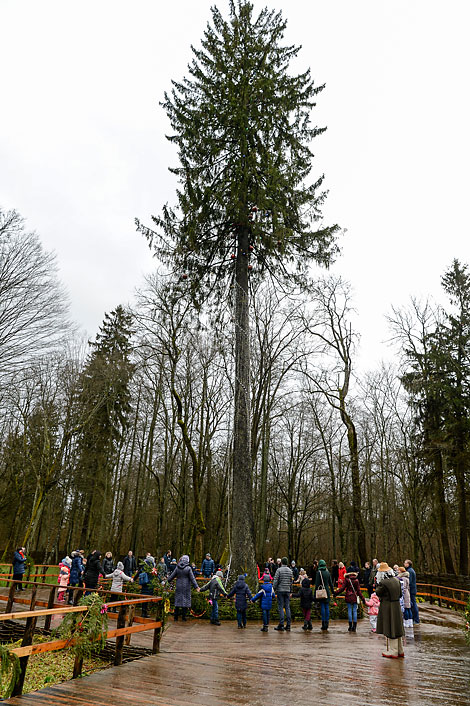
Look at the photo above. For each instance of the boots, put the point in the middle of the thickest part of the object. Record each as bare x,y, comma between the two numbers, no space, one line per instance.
401,651
392,649
309,625
350,627
264,628
354,625
323,625
305,625
327,622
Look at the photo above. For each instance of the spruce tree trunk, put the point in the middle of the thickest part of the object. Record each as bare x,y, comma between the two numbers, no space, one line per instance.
243,552
442,513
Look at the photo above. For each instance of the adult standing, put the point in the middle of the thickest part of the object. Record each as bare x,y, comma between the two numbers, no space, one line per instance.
413,589
130,564
282,586
352,596
389,619
19,562
207,566
323,581
366,576
341,573
167,559
108,563
184,578
76,573
93,571
372,575
334,572
405,600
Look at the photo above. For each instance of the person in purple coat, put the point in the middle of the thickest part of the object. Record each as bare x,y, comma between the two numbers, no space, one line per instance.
184,578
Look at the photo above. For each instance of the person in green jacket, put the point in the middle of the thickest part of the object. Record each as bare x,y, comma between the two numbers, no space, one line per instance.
323,580
215,588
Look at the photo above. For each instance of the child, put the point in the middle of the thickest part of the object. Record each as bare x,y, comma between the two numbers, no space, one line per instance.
306,599
118,577
64,576
241,593
302,576
266,594
215,588
373,603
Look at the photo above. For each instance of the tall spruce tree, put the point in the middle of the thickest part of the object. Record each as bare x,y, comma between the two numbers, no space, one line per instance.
241,123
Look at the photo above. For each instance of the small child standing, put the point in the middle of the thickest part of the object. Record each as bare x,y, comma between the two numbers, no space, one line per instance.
306,599
266,594
241,593
373,603
64,577
215,588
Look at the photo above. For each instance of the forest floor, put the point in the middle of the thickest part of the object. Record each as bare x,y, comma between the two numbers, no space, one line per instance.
201,664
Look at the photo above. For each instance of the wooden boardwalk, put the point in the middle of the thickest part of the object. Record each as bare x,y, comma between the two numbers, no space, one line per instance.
206,665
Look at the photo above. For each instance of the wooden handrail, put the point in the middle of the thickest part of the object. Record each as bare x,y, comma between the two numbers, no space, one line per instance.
41,613
446,588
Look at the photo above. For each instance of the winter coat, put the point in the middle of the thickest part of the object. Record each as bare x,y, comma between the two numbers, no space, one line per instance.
326,581
64,575
19,561
412,577
207,567
305,594
341,575
389,619
108,565
130,565
93,571
366,576
373,574
283,580
266,594
295,573
77,568
162,571
215,588
241,592
374,604
405,588
352,588
184,578
118,577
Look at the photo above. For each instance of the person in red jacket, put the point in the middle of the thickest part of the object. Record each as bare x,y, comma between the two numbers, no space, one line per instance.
352,597
341,573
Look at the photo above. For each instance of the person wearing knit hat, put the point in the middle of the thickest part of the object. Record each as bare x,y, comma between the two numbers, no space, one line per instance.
323,582
215,588
389,619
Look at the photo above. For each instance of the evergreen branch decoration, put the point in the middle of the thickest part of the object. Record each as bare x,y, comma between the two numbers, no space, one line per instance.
9,669
87,632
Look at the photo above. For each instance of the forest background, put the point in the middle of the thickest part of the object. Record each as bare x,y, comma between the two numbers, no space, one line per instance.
92,451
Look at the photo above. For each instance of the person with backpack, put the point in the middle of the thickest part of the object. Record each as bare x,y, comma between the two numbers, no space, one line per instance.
323,591
266,594
305,594
353,596
215,588
242,593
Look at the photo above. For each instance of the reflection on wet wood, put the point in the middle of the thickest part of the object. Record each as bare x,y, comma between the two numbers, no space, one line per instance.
201,664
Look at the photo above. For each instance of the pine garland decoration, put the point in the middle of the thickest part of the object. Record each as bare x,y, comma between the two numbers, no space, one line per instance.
9,669
86,632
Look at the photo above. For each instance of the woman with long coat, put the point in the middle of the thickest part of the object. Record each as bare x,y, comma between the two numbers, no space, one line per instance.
389,619
184,578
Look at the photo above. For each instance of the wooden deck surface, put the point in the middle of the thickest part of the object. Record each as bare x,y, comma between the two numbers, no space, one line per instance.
201,664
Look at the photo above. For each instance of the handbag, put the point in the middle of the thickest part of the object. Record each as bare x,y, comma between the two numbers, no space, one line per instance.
321,593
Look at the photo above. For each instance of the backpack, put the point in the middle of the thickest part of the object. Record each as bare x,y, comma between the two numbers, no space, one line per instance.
143,578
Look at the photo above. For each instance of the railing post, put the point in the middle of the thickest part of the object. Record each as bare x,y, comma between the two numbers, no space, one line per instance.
439,594
11,598
44,573
130,620
50,604
77,667
27,640
121,623
32,603
157,633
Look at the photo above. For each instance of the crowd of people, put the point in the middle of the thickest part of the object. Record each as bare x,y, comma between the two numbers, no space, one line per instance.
391,600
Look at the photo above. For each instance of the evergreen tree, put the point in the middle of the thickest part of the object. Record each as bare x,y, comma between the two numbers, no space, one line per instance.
241,123
105,397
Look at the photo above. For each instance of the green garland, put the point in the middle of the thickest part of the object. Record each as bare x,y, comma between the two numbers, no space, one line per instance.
9,662
86,631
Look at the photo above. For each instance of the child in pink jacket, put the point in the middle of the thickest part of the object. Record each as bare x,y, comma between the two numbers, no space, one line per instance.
373,603
64,576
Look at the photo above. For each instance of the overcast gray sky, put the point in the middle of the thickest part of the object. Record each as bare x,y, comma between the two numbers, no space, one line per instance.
83,152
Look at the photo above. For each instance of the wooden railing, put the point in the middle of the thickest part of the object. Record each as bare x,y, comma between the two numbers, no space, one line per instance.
42,575
123,611
443,594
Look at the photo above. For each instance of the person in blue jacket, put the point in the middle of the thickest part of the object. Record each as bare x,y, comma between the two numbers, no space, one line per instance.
19,561
208,567
413,590
241,592
266,594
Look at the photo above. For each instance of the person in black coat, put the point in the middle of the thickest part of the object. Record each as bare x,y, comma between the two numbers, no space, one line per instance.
108,563
242,593
93,571
130,564
305,594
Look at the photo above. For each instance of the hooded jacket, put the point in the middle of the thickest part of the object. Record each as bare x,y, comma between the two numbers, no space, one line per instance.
77,568
241,592
305,594
404,579
118,577
374,604
266,594
184,578
351,588
215,588
323,573
93,571
19,561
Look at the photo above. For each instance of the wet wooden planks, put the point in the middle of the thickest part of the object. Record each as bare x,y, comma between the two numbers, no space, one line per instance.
203,664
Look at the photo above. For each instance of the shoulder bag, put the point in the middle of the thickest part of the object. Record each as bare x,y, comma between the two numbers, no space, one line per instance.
321,593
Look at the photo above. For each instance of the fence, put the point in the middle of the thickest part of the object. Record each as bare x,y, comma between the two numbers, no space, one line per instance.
125,627
443,594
